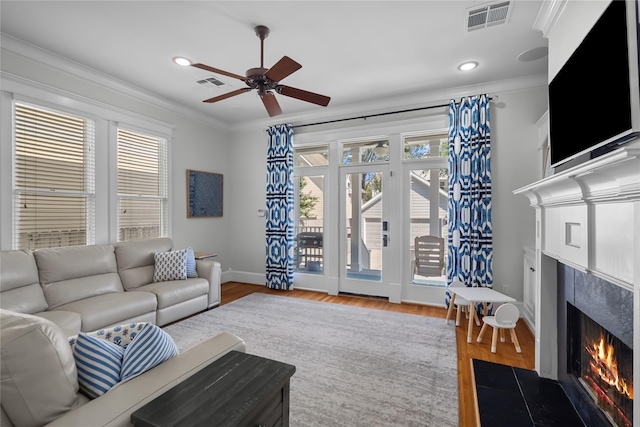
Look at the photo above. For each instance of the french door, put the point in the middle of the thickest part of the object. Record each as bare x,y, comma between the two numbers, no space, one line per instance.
364,232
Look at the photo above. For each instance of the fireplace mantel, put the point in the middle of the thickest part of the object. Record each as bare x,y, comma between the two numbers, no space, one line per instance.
612,177
587,217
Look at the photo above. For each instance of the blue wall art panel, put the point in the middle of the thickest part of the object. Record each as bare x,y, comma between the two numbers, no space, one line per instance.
204,193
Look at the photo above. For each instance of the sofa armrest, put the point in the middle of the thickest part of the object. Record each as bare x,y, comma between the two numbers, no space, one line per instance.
115,407
211,270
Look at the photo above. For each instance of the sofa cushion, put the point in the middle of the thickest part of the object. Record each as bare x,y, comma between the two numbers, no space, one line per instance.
98,362
21,291
67,291
68,321
136,262
170,266
73,262
112,309
176,291
38,373
78,272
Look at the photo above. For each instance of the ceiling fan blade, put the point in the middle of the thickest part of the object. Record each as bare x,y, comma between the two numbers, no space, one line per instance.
303,95
286,66
227,95
217,71
271,104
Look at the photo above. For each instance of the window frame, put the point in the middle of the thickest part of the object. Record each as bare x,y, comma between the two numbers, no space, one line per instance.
163,172
436,160
106,118
88,181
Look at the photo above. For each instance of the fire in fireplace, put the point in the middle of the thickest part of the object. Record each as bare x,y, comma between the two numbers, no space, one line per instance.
604,366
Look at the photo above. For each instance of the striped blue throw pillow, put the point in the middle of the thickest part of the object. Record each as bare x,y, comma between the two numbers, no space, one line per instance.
98,363
191,263
151,347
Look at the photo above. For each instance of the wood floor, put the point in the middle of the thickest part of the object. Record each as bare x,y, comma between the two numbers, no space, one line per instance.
506,353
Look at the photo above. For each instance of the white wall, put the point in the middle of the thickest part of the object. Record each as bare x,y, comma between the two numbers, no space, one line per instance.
195,145
248,154
514,163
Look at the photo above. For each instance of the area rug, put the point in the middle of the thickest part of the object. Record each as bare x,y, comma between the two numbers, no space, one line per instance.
354,366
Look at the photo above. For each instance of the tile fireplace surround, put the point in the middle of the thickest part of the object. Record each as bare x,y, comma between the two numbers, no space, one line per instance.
587,218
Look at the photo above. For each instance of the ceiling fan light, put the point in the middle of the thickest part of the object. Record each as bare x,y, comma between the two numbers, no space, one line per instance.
180,60
467,66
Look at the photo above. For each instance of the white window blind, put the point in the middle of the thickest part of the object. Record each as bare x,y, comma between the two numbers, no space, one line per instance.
142,186
54,178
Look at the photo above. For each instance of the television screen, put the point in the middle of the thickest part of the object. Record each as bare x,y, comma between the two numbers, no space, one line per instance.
590,97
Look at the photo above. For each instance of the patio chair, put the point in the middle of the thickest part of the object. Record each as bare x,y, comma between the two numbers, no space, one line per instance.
429,255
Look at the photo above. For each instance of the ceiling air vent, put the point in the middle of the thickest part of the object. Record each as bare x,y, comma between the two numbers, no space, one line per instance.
487,15
211,82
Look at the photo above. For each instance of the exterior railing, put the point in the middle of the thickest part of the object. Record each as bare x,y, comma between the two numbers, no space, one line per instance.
51,239
309,248
62,238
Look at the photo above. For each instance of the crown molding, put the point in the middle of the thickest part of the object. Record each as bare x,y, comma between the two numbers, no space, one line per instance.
43,56
548,15
416,99
31,90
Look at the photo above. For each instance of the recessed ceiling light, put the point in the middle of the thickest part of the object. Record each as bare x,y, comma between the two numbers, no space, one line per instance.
182,61
467,66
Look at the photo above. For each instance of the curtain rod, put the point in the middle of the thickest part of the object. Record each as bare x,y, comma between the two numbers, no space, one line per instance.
373,115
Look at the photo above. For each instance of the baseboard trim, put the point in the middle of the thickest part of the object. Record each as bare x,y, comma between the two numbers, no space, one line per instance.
243,277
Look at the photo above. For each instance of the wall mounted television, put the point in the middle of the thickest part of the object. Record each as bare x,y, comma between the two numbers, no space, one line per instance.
594,100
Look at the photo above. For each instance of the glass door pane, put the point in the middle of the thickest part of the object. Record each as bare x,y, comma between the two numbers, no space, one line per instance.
428,230
309,231
364,232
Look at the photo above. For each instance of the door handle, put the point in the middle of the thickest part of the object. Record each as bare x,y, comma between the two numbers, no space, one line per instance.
385,240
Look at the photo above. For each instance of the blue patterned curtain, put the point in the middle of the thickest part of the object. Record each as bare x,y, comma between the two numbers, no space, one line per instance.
470,234
280,199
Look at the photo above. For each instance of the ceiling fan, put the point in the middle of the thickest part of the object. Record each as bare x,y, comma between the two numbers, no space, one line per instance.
267,81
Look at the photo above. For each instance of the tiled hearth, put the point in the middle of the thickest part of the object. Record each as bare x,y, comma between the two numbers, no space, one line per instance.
587,230
509,396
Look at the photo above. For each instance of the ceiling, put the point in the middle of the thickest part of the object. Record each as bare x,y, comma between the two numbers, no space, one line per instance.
356,52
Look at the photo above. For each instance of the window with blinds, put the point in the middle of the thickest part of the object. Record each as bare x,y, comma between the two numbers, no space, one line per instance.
54,178
142,186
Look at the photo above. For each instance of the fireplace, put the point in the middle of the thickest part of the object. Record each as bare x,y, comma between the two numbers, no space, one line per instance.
603,365
595,353
587,255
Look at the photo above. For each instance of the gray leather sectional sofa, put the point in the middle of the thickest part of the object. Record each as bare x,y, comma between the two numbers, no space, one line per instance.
49,295
40,380
86,288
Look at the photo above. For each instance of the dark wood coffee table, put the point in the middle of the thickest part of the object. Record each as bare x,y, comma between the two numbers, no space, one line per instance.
238,389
